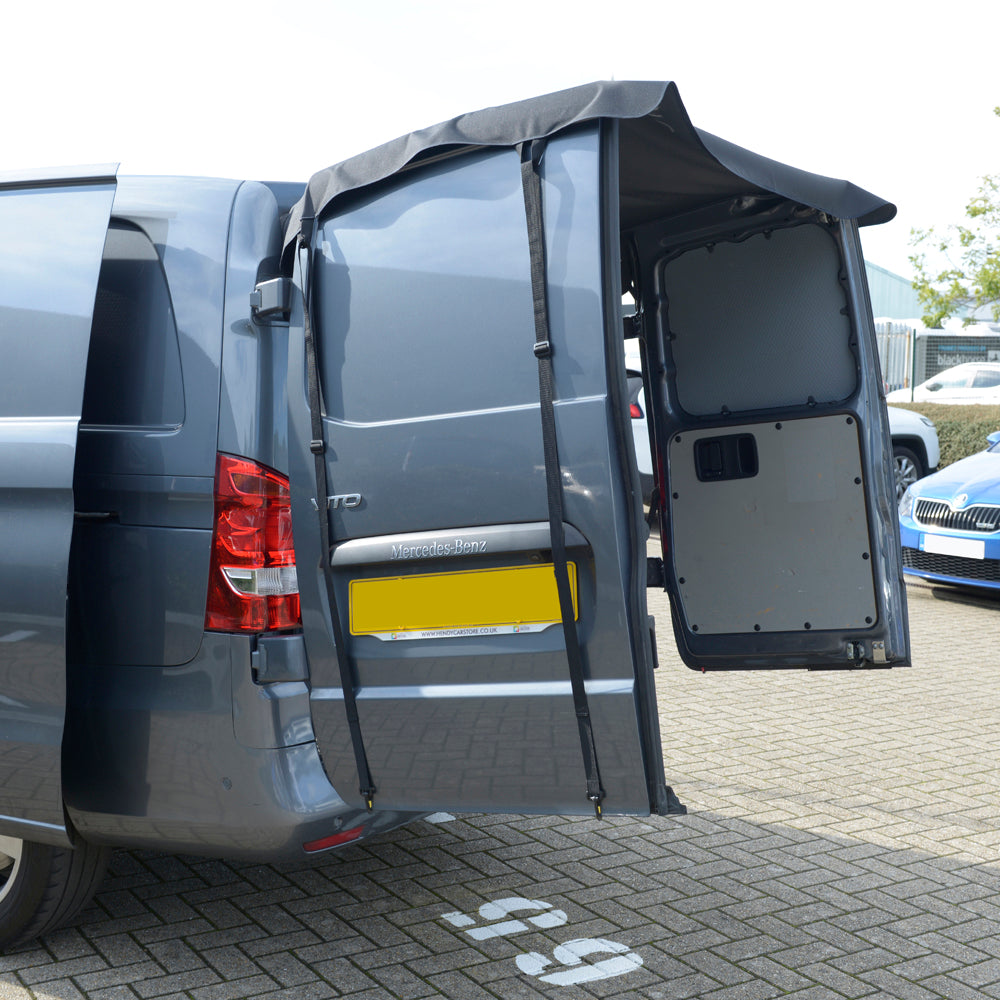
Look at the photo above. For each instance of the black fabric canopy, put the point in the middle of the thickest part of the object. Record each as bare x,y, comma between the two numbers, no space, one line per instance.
667,165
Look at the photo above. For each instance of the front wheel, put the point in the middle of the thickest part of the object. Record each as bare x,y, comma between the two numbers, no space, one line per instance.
43,887
908,468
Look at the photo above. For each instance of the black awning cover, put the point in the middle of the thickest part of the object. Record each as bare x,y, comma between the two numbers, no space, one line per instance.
665,160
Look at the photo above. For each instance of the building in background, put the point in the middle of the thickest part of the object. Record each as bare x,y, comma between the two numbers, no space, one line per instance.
909,352
892,295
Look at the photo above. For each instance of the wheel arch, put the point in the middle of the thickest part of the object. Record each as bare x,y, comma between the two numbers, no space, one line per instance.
916,445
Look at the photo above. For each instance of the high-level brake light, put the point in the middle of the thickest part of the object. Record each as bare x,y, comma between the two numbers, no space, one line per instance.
252,584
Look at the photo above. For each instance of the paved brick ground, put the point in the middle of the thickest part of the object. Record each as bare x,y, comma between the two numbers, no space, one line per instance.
842,841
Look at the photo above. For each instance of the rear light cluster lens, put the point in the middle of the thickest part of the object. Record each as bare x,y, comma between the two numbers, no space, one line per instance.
252,584
635,411
325,843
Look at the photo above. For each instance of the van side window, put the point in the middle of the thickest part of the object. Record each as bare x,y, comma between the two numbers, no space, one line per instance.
418,289
134,366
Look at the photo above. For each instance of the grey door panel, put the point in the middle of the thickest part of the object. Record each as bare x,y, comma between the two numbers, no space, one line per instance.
780,534
788,546
437,479
46,302
149,434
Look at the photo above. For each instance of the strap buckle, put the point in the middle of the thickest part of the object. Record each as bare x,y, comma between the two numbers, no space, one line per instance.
306,229
543,348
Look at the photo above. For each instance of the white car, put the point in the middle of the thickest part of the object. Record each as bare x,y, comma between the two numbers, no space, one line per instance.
915,448
972,382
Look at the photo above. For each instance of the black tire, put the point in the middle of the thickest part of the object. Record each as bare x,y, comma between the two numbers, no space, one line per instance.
44,887
907,468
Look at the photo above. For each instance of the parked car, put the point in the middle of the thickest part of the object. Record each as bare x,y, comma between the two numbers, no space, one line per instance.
949,523
972,382
915,448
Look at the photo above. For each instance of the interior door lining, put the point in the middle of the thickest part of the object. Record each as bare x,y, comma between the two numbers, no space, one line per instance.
785,550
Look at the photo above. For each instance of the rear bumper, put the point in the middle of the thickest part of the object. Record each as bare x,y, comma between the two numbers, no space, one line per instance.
162,758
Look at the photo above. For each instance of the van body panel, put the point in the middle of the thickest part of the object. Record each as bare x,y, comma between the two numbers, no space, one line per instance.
175,775
204,741
254,383
187,221
51,236
148,463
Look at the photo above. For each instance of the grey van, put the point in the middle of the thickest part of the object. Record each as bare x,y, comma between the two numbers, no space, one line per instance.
319,507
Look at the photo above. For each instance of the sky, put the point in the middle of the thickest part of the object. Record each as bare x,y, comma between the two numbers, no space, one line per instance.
897,98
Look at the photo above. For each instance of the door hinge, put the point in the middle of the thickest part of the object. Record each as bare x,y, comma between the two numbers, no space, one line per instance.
271,297
857,652
654,572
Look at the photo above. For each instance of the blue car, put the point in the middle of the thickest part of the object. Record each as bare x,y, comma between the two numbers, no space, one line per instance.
949,523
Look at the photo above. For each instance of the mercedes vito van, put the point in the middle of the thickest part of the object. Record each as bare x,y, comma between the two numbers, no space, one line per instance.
319,507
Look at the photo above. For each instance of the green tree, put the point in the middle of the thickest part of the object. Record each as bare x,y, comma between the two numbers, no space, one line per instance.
960,270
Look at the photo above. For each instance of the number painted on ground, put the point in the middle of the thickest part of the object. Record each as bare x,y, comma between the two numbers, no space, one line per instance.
496,916
572,954
501,908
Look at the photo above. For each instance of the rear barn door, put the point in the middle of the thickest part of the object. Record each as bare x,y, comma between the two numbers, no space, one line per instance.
52,234
437,497
781,542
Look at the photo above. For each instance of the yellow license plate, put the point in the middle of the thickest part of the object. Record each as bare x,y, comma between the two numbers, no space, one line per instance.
468,602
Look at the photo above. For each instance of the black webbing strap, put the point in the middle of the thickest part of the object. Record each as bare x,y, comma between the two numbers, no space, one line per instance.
531,153
318,447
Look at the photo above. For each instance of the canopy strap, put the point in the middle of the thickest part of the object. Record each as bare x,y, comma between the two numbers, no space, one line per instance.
318,447
531,154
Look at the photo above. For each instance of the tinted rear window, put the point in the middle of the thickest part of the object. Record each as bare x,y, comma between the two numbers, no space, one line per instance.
419,289
134,367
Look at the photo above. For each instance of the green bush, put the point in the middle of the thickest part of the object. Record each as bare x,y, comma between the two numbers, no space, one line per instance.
961,430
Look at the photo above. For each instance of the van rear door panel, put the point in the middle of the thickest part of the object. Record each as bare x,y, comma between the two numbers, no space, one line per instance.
779,532
806,485
442,555
52,232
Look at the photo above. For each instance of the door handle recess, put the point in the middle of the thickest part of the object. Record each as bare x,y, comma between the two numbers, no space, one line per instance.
732,456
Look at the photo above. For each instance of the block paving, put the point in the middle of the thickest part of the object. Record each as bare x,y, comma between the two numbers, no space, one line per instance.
842,840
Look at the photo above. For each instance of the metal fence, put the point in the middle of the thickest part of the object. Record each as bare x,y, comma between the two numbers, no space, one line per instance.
896,342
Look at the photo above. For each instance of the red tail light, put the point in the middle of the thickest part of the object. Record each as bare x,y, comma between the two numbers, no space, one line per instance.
252,585
634,411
